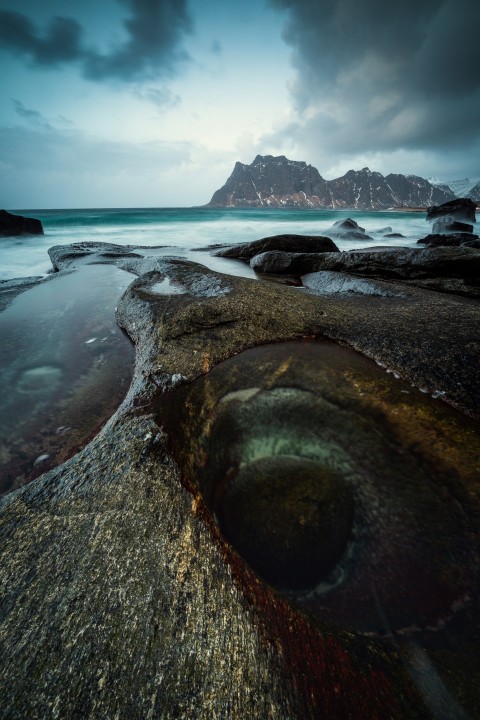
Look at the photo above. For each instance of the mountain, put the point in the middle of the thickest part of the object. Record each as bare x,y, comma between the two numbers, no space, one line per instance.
474,193
273,182
460,188
279,182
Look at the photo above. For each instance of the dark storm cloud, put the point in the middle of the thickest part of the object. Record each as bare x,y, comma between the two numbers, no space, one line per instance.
153,33
376,75
59,43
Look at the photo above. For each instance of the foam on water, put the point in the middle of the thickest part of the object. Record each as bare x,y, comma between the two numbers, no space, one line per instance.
184,229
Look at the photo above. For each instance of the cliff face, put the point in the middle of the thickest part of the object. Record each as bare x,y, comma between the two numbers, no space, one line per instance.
278,182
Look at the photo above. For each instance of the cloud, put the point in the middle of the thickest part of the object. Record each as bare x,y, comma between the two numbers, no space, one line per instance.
31,116
51,167
153,30
376,76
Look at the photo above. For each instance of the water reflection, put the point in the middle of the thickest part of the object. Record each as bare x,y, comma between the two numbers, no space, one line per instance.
65,367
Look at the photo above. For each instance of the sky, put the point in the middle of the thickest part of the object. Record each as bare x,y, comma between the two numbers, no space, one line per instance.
149,103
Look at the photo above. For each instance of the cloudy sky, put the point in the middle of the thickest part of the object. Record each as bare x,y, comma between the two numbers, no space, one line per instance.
127,103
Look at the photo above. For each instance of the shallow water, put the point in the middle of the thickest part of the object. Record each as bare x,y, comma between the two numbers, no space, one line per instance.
65,366
183,229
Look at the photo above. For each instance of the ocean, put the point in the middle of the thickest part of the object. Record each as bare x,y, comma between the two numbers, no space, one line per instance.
180,230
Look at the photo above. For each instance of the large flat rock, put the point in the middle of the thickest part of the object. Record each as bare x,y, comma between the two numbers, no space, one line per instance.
119,596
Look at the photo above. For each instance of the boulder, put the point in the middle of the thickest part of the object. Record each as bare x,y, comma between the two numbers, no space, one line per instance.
286,243
11,225
450,240
348,229
403,263
462,209
406,264
448,224
276,262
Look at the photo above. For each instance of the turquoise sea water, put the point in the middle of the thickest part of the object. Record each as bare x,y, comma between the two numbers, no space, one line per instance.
183,229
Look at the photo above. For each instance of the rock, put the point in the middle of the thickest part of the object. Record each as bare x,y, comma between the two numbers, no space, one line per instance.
450,240
448,225
397,263
462,209
9,289
65,257
394,235
348,229
285,243
406,264
277,262
11,225
327,282
379,248
147,603
475,243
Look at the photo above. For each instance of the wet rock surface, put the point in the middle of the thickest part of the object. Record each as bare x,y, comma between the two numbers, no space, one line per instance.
406,264
462,209
446,269
327,282
11,225
348,229
285,243
448,239
121,596
448,224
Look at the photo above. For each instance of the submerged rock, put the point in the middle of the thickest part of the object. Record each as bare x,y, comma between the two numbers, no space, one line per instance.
11,225
284,243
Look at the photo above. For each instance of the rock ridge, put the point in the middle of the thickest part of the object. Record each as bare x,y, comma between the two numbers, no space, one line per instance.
278,182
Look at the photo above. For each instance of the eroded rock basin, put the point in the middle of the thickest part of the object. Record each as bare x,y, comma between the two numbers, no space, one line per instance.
344,488
65,368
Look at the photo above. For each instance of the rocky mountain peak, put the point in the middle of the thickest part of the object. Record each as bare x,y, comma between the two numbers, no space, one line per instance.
276,181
